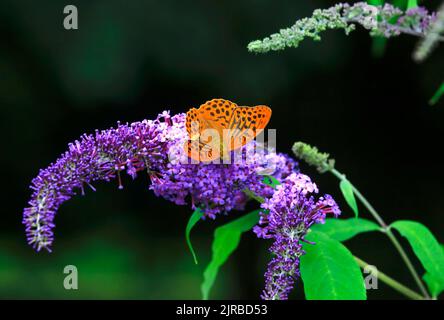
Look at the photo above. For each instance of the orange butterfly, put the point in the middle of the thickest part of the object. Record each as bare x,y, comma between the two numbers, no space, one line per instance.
220,126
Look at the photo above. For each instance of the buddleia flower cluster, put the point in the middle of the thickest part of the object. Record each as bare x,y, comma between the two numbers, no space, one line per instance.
219,188
103,155
286,218
154,147
386,20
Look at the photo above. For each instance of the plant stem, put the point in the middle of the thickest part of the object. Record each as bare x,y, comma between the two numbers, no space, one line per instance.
387,231
254,196
392,282
364,201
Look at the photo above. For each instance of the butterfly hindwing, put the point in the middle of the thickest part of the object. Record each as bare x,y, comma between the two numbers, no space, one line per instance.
246,124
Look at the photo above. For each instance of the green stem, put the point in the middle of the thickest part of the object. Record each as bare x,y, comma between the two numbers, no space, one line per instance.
387,231
254,196
392,282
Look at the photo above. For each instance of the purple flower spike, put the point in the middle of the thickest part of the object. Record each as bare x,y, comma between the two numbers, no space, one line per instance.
288,215
100,156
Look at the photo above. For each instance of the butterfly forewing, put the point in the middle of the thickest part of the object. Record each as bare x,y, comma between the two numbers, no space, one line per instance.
207,125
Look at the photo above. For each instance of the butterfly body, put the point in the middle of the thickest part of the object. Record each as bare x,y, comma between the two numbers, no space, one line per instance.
220,126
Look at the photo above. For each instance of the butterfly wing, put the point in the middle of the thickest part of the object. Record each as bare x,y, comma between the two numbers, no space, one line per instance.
206,125
246,123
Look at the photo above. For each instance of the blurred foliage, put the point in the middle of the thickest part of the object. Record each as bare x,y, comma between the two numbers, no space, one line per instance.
107,270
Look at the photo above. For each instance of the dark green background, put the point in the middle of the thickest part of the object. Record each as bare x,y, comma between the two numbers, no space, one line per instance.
130,60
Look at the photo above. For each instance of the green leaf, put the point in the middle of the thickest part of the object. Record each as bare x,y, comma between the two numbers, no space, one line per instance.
271,181
434,285
195,217
329,271
226,240
375,2
427,249
401,4
347,191
437,95
412,4
344,229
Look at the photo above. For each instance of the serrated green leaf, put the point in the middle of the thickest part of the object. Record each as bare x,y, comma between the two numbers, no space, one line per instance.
329,271
427,249
437,95
195,217
226,240
347,191
344,229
